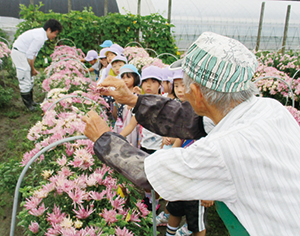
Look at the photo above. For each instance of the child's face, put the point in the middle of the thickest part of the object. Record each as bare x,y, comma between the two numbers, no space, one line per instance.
104,62
116,66
110,56
167,86
129,80
179,89
150,86
92,62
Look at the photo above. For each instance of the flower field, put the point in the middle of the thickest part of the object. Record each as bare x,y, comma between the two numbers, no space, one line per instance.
74,193
68,191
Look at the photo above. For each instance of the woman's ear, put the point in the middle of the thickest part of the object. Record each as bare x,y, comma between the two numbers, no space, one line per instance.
196,92
196,99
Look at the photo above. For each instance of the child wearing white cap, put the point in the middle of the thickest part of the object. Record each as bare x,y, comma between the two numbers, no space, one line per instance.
167,91
131,77
92,58
151,80
103,60
167,84
110,54
116,64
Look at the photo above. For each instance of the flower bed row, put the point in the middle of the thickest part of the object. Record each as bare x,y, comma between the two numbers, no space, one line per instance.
74,193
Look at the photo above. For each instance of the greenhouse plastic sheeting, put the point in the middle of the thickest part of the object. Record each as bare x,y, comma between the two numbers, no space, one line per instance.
9,25
147,6
234,18
238,19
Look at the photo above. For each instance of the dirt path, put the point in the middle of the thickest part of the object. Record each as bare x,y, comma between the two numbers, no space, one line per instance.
15,121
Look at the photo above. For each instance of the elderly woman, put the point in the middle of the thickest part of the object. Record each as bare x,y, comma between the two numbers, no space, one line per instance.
250,160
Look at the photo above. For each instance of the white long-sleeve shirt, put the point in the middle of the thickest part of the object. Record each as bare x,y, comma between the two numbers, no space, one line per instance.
31,42
250,161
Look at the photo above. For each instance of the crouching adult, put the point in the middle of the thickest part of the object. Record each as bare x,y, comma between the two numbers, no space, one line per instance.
23,54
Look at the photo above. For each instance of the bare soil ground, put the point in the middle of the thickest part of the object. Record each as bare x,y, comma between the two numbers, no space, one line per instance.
14,119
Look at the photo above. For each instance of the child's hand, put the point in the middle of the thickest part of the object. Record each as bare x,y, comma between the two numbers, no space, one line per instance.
207,203
137,90
168,141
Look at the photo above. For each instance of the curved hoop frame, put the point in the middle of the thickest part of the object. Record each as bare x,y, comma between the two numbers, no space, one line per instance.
65,46
290,89
66,59
18,186
150,49
6,41
67,55
67,40
294,77
135,43
168,54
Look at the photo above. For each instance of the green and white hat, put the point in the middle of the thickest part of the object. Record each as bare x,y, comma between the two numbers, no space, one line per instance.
219,63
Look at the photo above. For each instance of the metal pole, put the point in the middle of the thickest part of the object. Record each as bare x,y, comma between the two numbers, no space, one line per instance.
69,5
139,7
15,204
286,26
260,25
169,11
32,2
1,62
105,7
154,212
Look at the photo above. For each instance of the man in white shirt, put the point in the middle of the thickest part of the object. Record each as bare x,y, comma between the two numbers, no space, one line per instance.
24,52
249,161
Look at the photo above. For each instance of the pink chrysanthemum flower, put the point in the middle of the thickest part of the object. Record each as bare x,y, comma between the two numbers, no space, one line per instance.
82,213
77,196
123,232
109,216
97,196
34,227
55,217
142,207
38,211
32,202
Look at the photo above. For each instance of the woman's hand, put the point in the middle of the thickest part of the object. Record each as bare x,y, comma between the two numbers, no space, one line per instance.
95,126
120,92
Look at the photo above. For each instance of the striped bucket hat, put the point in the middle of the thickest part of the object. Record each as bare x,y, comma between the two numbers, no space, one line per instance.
219,63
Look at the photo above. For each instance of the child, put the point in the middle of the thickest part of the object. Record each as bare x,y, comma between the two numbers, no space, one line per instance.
92,58
111,52
167,84
131,77
151,82
167,91
103,60
116,64
193,210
